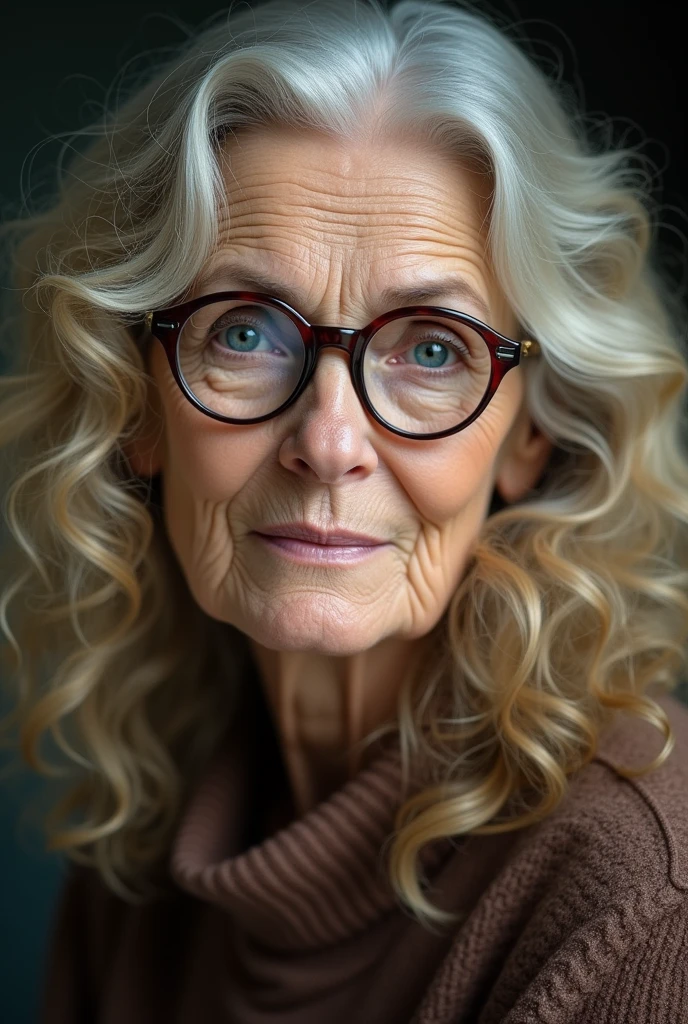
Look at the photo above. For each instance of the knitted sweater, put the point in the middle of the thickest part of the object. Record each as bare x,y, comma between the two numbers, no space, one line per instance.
579,919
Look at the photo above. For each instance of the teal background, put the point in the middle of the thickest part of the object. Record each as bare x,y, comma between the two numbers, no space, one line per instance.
57,64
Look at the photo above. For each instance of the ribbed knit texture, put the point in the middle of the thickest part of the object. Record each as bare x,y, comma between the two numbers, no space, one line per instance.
315,882
581,919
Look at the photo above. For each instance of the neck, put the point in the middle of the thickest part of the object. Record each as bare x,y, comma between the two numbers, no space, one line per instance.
323,706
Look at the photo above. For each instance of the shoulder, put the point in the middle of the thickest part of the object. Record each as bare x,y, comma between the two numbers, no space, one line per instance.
617,847
614,916
617,831
586,899
648,813
613,835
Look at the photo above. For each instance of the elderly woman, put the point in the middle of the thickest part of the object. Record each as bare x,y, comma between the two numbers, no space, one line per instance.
349,552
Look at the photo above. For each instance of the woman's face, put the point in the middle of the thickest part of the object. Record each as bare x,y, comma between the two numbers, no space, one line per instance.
337,224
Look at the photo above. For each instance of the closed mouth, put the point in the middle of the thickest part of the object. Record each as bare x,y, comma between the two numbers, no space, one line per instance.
312,535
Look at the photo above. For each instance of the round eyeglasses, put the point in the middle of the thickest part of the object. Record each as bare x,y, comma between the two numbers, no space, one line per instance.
422,372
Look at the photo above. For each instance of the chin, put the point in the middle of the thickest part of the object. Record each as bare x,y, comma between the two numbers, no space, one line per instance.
337,630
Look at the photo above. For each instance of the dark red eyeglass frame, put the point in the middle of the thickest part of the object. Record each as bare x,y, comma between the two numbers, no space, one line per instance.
166,326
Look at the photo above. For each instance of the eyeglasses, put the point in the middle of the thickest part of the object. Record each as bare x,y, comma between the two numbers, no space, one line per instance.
422,372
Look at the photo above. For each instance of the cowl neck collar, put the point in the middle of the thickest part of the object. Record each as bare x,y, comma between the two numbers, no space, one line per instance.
306,882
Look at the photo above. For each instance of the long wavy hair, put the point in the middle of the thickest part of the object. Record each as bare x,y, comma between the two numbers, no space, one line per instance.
573,603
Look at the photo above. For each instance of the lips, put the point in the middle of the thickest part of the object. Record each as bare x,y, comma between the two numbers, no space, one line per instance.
312,535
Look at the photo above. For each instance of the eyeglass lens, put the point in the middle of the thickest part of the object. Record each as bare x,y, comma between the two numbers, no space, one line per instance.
422,374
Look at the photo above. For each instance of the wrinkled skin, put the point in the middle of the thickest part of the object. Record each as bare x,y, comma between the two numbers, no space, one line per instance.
337,223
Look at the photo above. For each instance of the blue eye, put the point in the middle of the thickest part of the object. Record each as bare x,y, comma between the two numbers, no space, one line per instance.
242,337
431,353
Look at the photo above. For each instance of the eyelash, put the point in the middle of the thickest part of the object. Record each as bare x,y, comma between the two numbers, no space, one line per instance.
455,344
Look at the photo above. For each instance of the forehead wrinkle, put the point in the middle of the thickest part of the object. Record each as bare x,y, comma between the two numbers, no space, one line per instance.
373,212
310,252
396,242
404,200
277,255
402,237
325,223
335,171
395,187
372,285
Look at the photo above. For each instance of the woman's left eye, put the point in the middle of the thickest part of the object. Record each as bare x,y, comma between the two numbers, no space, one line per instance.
429,355
433,354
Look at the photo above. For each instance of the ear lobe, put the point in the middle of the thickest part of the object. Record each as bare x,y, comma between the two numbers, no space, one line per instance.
145,451
144,454
523,460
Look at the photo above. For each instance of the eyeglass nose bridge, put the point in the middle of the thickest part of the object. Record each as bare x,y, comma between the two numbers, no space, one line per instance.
334,337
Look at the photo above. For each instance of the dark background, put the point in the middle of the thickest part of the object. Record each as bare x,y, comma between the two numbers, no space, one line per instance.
625,61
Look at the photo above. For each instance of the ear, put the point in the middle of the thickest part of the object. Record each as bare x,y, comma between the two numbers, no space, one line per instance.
145,451
523,458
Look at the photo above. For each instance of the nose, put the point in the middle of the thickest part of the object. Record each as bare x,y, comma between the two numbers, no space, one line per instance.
328,432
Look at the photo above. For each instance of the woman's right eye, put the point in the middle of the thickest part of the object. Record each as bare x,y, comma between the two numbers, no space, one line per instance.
243,337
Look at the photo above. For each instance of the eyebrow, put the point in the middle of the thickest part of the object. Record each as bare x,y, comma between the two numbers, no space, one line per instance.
421,293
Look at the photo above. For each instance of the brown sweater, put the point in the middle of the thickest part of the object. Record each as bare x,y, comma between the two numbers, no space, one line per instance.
581,918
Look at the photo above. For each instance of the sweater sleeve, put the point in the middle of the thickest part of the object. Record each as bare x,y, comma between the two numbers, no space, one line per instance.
650,985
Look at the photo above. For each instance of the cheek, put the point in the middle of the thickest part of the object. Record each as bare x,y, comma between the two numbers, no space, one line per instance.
204,460
444,481
450,487
213,461
207,466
